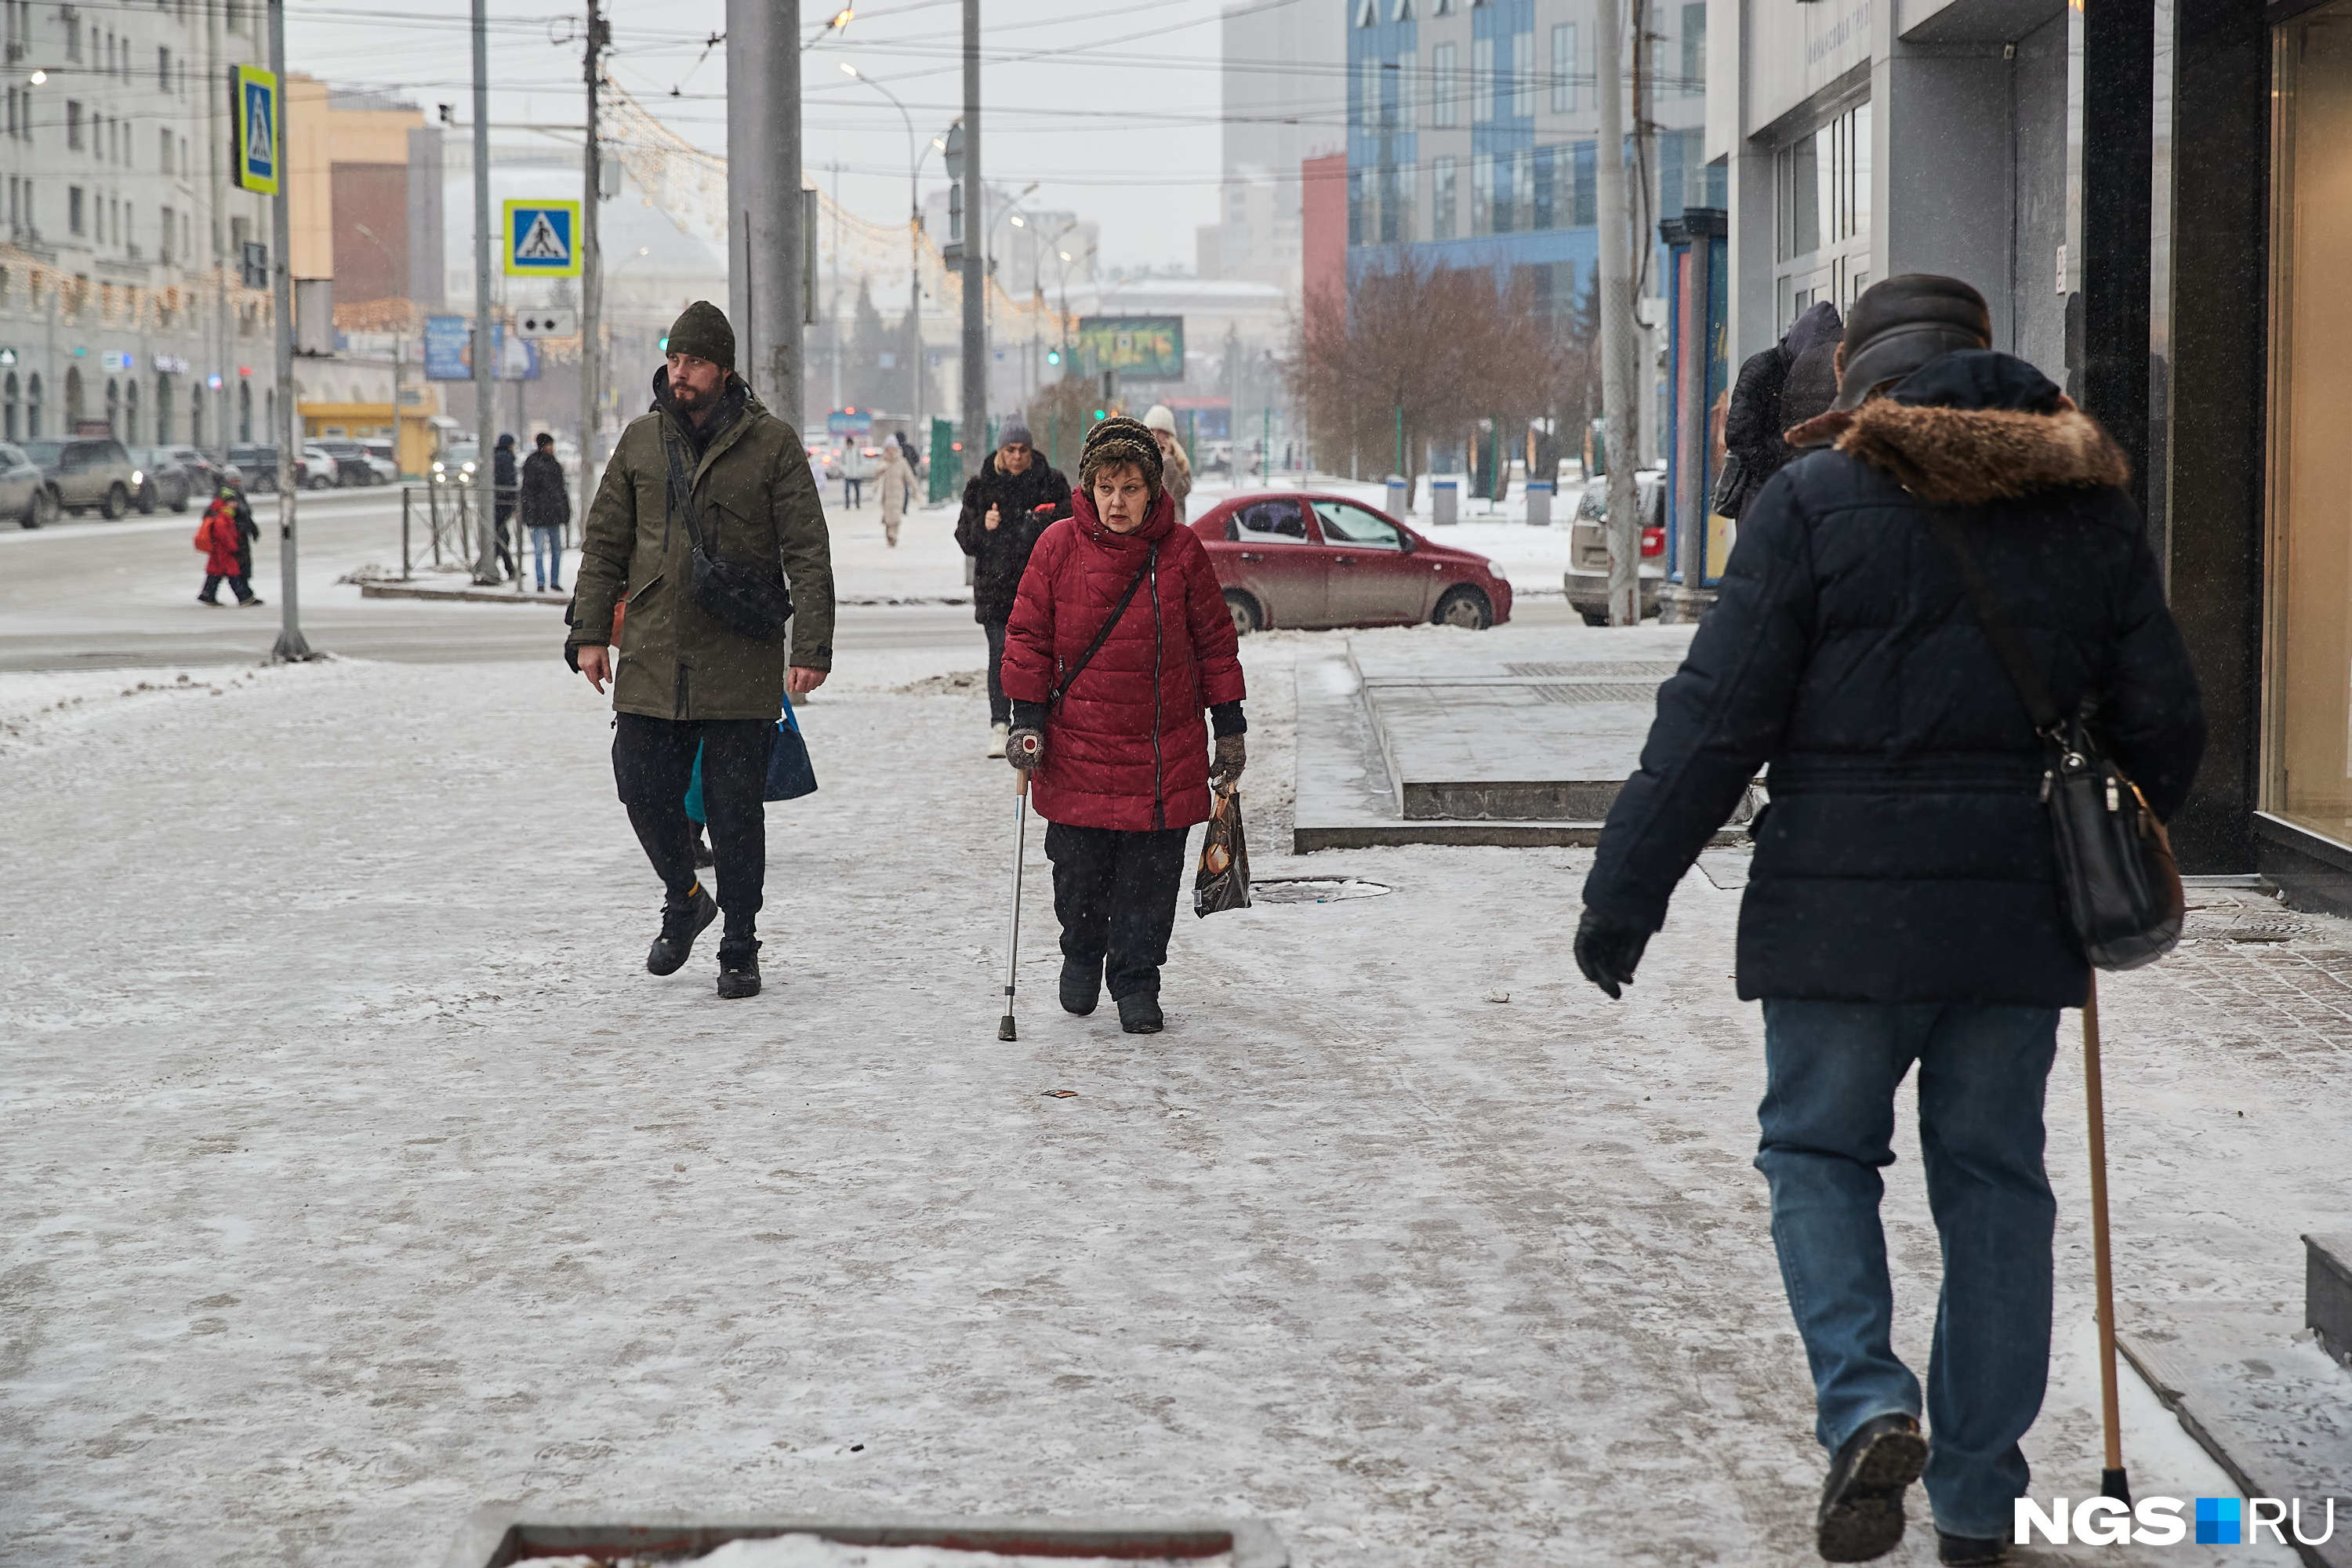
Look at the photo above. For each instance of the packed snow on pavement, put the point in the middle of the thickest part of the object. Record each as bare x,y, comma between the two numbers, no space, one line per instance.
360,1176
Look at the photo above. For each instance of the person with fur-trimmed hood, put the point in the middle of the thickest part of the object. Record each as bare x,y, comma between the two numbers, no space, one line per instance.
1116,753
1902,909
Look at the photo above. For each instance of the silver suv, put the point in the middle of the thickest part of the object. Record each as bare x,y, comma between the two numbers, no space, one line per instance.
85,471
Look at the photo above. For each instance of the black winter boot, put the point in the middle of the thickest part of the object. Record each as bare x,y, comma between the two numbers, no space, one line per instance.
1862,1502
1970,1551
1140,1014
739,966
682,921
1081,986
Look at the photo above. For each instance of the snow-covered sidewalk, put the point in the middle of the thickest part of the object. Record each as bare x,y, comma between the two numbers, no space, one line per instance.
358,1174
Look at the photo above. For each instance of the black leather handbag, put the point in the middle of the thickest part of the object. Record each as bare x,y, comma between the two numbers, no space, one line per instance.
2117,875
746,600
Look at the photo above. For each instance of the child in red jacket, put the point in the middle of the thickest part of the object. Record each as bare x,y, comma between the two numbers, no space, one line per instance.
1119,638
225,536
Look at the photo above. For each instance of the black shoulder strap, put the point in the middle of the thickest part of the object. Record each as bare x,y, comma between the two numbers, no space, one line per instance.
1054,699
1997,628
681,493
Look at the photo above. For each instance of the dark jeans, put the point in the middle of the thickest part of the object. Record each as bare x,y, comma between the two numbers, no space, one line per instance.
1115,893
653,762
1000,707
547,553
508,561
210,592
1832,1072
852,491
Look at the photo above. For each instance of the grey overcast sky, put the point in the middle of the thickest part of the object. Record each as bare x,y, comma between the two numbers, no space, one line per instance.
1111,108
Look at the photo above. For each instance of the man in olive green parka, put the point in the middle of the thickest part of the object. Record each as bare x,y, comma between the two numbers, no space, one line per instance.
686,681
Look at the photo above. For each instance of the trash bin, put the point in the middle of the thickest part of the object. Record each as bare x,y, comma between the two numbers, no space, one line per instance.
1398,489
1444,502
1539,505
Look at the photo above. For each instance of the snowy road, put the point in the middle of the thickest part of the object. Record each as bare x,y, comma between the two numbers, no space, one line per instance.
357,1173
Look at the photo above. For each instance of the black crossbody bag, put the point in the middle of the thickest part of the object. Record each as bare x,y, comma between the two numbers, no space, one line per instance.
747,601
2117,875
1054,699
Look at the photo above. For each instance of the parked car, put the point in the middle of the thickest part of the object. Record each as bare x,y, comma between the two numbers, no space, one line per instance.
87,471
348,460
163,479
259,465
1307,559
1587,578
24,493
383,460
201,474
323,472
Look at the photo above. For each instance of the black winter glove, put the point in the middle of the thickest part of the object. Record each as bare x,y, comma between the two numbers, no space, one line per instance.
1608,951
1024,748
1233,756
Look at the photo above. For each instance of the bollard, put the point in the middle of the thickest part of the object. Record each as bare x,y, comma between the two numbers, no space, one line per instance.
1398,491
1445,502
403,533
1539,505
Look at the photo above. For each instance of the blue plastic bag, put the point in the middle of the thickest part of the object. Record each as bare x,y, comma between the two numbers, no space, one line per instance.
790,774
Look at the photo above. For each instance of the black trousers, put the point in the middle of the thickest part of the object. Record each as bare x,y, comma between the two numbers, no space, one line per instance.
1000,707
653,762
1115,893
210,593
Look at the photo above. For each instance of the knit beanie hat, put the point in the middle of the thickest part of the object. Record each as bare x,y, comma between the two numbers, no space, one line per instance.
702,330
1115,441
1015,434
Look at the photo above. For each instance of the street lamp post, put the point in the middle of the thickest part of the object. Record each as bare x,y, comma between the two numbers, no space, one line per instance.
914,238
988,242
399,350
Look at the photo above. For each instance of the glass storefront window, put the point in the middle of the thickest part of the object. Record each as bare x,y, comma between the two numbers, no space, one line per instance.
2309,708
1823,213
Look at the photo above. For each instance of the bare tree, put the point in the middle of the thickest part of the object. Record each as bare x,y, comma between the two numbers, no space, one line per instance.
1413,354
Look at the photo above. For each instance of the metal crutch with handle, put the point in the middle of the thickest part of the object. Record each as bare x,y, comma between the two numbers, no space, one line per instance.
1005,1029
2112,1480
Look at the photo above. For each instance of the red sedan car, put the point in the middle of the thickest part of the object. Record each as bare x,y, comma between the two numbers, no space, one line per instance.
1302,559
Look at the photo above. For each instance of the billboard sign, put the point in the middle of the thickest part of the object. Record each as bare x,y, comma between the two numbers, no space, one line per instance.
254,121
1138,348
449,351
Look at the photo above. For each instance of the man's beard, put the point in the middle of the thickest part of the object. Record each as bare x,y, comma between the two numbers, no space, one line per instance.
688,398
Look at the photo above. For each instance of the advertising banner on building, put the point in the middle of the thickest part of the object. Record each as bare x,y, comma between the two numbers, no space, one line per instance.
1137,348
450,351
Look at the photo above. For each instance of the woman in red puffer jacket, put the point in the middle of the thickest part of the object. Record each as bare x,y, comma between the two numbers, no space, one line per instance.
1118,754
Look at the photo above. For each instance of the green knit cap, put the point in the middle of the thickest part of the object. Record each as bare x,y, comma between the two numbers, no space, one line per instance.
702,330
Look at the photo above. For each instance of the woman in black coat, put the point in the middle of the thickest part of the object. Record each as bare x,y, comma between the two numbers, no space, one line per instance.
1753,422
1902,909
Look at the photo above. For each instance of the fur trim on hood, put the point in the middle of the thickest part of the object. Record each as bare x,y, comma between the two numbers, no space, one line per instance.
1968,456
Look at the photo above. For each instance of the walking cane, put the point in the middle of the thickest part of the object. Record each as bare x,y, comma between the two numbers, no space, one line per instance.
2112,1481
1004,1025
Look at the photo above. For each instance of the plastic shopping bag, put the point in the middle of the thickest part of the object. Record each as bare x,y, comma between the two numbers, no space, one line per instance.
1224,880
791,774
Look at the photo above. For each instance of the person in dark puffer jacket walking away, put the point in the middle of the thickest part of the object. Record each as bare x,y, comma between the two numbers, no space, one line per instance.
1903,907
1007,507
1759,407
1121,767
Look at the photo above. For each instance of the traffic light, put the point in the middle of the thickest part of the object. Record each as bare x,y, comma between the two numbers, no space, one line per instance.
1053,356
1099,413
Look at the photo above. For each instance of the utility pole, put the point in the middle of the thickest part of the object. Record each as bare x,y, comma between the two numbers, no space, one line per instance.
767,294
975,242
836,313
485,412
291,647
1621,442
592,269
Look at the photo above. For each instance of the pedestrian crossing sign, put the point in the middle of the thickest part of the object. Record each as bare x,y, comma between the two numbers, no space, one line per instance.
253,119
542,240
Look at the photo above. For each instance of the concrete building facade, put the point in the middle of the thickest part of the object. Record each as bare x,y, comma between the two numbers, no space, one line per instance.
1285,79
120,308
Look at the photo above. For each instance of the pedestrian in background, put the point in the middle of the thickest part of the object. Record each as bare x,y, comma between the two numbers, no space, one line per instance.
1754,421
226,534
1007,506
898,486
857,468
709,460
1902,908
545,506
1176,468
1120,765
502,497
